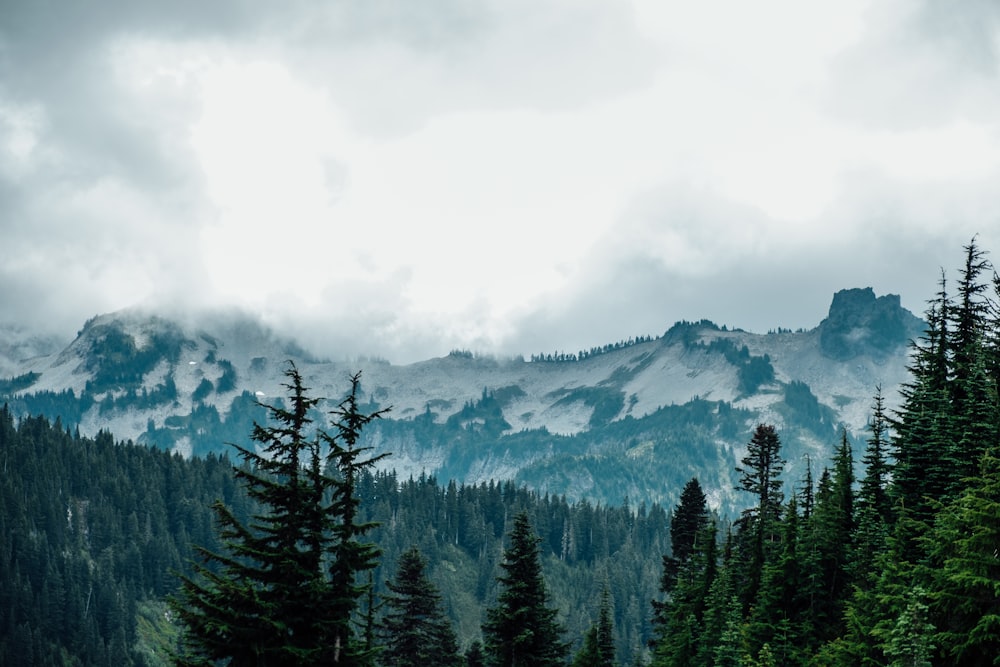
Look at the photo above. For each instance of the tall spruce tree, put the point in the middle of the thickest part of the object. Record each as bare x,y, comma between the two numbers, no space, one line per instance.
521,631
268,600
414,629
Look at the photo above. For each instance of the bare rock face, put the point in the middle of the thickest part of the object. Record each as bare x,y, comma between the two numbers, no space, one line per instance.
859,323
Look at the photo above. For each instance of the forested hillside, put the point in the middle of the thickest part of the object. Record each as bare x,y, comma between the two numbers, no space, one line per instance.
93,530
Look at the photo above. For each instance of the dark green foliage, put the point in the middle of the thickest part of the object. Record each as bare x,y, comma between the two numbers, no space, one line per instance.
965,590
271,600
598,648
688,522
607,402
118,363
203,390
414,630
755,372
19,383
521,630
760,475
460,530
350,554
88,528
806,407
474,655
227,381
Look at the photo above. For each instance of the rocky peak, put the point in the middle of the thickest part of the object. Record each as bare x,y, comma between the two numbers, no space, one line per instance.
861,323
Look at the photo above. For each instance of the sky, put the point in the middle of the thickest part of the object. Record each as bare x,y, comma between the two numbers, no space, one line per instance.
400,179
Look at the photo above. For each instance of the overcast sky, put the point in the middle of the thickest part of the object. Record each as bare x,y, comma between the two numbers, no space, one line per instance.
403,178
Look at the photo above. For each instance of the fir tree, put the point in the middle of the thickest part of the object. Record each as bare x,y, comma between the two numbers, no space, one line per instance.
268,600
777,614
925,466
689,518
680,636
351,557
606,631
758,525
598,648
965,589
474,655
414,629
874,493
521,631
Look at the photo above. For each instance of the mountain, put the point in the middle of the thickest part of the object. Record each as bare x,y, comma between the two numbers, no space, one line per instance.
631,420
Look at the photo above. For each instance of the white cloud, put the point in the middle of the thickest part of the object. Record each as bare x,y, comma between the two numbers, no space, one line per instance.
415,179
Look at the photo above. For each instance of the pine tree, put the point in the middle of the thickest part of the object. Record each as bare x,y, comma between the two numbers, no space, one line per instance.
257,607
521,631
721,640
268,600
414,629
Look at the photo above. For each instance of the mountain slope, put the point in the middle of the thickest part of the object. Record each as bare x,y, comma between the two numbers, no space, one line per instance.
629,419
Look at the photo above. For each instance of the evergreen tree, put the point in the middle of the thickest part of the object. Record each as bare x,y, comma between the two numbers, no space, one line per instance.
925,466
598,648
680,636
606,631
777,617
414,629
829,541
721,640
965,592
688,519
474,655
588,655
520,631
268,600
857,645
874,493
758,525
351,557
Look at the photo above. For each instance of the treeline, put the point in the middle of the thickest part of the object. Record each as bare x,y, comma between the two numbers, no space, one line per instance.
592,352
900,568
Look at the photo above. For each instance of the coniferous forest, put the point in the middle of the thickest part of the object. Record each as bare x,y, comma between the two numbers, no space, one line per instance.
298,552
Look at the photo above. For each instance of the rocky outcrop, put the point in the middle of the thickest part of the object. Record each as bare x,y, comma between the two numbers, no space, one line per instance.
859,323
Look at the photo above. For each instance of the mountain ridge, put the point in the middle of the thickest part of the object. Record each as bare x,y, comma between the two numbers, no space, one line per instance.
184,384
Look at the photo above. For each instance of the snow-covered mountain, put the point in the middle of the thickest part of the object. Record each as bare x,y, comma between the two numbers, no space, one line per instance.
182,384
